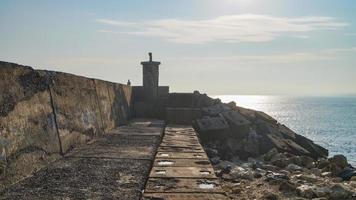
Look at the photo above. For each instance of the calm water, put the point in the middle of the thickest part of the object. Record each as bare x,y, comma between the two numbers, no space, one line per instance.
328,121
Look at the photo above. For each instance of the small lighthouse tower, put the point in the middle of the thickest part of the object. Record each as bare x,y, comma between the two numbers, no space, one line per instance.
150,71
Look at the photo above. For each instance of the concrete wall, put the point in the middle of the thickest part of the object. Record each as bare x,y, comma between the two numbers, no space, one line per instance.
182,115
183,108
44,114
150,109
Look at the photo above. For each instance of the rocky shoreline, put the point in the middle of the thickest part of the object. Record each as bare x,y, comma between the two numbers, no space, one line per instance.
258,158
302,178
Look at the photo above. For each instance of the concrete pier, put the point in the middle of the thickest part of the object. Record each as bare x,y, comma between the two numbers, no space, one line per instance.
181,169
115,166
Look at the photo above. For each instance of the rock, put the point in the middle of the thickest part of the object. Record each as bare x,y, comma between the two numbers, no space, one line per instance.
239,125
352,184
211,126
315,150
353,178
322,163
306,191
280,160
215,110
3,166
337,180
232,105
307,162
225,177
251,145
211,152
309,178
270,196
215,160
297,160
335,170
236,190
338,192
293,167
239,172
277,177
303,161
264,117
225,166
235,159
347,173
287,187
268,156
339,160
269,167
285,172
321,191
316,171
326,174
257,175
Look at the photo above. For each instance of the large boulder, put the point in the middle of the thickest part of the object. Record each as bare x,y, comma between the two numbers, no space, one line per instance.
239,125
339,191
215,110
339,160
211,124
252,133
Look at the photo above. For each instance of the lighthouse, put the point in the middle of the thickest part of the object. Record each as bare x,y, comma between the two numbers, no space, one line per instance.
150,71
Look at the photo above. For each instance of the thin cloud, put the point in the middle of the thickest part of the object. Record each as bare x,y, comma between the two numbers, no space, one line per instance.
230,28
280,58
216,61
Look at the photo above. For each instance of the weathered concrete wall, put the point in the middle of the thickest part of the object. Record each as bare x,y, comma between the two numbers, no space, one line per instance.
44,114
183,108
182,115
150,109
76,108
27,127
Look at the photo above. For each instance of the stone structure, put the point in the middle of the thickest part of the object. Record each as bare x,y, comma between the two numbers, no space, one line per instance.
150,99
45,114
150,80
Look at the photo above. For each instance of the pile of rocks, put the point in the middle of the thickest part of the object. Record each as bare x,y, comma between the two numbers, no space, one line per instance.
258,158
299,177
250,133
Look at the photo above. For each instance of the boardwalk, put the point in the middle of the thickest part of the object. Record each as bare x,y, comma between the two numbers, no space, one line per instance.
181,169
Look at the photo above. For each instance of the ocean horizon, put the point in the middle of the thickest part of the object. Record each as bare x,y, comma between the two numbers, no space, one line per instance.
328,121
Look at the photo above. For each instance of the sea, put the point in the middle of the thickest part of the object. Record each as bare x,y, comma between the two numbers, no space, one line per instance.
328,121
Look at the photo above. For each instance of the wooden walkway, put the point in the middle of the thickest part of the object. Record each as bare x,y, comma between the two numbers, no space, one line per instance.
181,169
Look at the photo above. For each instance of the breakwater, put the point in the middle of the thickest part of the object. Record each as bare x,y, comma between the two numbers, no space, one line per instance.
44,114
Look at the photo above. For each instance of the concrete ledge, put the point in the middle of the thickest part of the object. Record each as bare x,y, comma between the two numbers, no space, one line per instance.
115,166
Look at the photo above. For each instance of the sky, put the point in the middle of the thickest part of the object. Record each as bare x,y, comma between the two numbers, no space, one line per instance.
219,47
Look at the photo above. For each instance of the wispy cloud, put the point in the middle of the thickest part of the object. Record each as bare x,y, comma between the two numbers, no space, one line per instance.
325,55
231,28
280,58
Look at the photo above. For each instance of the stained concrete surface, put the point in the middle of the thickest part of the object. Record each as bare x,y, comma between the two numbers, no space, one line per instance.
44,114
113,167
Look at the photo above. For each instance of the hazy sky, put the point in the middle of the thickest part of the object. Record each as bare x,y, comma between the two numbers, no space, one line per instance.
296,47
